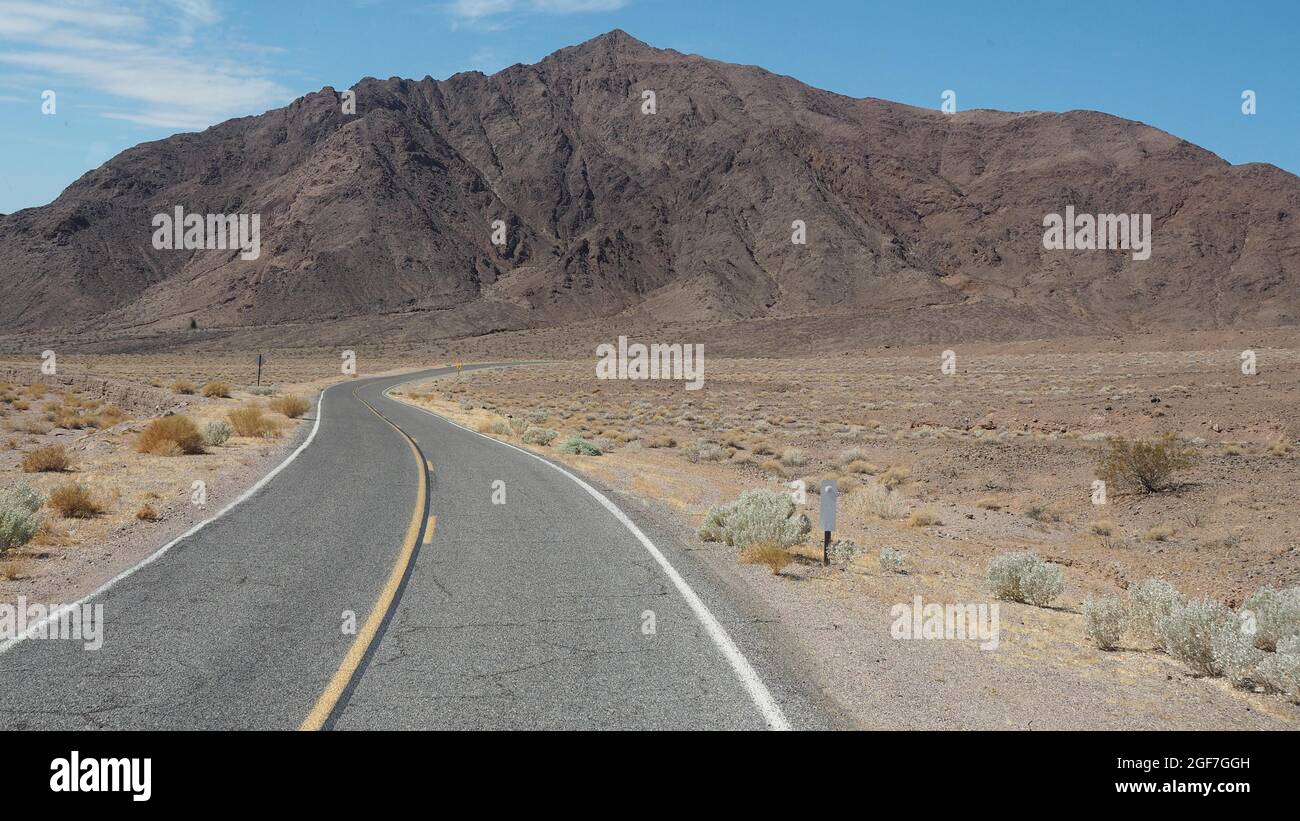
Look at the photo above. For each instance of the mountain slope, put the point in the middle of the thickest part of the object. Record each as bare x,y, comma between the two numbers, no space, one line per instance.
684,214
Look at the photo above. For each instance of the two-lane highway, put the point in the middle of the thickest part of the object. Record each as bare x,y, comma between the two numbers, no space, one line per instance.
548,611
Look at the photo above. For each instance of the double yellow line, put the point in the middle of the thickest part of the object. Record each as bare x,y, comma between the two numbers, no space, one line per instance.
342,677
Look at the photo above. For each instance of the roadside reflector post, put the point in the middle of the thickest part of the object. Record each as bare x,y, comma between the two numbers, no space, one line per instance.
828,492
259,370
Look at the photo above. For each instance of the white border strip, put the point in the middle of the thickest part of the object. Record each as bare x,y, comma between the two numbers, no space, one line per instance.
758,692
160,552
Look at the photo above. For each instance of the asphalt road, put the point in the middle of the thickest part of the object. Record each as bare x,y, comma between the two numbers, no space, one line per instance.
545,612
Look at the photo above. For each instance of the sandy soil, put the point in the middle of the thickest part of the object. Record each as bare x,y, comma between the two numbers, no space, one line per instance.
1001,456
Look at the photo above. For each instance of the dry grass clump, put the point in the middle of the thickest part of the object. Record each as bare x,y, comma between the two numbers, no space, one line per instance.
661,442
775,557
251,422
170,436
1160,533
924,518
1142,467
875,501
988,503
216,388
49,459
895,475
74,501
146,513
1102,527
183,387
290,405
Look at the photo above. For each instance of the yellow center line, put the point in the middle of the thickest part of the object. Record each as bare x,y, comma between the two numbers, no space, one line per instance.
366,636
428,531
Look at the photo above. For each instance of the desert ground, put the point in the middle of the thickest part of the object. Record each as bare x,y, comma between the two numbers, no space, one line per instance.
949,470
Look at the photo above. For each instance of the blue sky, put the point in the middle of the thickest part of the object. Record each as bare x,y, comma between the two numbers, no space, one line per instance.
129,71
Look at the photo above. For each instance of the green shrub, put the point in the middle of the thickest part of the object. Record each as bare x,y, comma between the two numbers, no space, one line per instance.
19,520
1142,467
576,444
217,432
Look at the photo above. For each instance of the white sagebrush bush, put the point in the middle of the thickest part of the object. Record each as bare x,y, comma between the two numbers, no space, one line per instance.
1188,631
540,436
216,432
1149,603
891,560
1277,615
1024,577
19,520
1280,671
1104,621
1234,652
757,516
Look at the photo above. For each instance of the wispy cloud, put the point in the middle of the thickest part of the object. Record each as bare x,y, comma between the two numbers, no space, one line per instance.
489,11
159,62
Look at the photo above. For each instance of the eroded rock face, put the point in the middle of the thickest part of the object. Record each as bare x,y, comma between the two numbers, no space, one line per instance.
686,214
137,400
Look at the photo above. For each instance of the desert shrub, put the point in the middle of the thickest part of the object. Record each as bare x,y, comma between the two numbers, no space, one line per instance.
877,501
519,425
1280,671
793,458
758,516
704,451
852,455
860,466
1042,513
216,432
252,422
661,442
146,513
496,425
216,388
1149,603
74,501
49,459
538,416
892,561
540,436
170,436
1188,633
1104,621
19,519
466,404
1142,467
895,475
1234,653
774,556
263,390
1024,577
576,444
1103,527
924,518
183,387
1277,615
290,405
1160,533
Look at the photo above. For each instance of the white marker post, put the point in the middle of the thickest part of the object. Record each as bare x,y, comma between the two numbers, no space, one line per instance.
828,494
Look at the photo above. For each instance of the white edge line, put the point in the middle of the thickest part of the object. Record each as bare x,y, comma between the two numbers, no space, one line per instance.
749,678
160,552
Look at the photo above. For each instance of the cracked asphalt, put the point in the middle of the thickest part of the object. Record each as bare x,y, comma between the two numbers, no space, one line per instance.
531,614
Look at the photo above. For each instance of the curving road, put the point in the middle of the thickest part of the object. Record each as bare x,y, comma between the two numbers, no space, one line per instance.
468,614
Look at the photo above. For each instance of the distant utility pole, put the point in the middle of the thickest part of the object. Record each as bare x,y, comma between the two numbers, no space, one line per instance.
259,370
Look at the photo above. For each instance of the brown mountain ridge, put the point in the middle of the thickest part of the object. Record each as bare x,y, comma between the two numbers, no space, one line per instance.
683,215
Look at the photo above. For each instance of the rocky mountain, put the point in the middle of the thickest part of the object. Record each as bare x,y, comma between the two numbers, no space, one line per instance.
685,214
